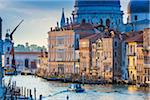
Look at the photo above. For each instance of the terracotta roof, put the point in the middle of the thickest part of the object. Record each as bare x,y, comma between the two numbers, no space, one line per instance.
131,34
85,30
83,26
28,53
136,38
93,37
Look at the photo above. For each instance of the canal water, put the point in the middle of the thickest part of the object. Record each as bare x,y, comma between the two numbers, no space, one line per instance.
51,90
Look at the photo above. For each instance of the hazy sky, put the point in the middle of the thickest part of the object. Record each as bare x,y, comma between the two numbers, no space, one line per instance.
38,15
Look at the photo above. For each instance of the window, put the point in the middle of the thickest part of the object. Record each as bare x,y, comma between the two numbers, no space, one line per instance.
115,44
101,21
131,49
115,54
60,40
7,60
115,66
128,61
8,49
135,17
108,22
60,54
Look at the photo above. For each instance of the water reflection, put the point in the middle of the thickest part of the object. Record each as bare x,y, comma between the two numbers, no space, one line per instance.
57,91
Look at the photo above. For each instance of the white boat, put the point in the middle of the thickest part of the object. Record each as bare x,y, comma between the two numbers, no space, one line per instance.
75,88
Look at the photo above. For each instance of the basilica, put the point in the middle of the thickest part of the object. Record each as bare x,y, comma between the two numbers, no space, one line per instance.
107,13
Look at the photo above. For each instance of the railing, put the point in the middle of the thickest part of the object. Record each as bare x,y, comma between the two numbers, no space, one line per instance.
131,54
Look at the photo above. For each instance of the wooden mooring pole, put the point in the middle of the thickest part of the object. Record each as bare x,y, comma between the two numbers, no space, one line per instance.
35,93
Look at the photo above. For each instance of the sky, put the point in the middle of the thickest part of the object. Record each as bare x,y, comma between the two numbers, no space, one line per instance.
38,16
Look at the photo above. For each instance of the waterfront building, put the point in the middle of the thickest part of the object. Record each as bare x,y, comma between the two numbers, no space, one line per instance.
1,50
138,15
61,52
85,48
42,64
102,12
106,56
23,60
133,44
8,51
26,60
124,68
146,50
107,59
140,63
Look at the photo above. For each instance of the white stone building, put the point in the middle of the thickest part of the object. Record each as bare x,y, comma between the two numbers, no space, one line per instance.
26,60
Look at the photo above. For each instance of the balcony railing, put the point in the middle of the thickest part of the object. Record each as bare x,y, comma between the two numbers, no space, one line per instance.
131,54
147,65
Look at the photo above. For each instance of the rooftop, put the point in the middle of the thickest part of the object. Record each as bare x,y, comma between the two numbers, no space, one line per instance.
136,38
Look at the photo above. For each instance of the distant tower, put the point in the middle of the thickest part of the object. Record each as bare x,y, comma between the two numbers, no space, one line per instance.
7,46
62,22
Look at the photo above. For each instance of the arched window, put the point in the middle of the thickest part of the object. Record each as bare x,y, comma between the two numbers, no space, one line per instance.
7,60
27,63
101,21
108,22
135,17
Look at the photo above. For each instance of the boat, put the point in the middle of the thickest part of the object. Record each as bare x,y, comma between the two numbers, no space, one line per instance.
75,88
10,71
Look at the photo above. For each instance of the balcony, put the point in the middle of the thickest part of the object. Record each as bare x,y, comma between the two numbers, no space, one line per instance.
131,54
146,65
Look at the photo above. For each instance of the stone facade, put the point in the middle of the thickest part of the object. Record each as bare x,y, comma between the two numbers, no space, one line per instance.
99,12
135,61
146,45
61,53
26,60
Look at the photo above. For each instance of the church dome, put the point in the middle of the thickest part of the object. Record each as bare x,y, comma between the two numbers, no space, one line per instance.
79,3
138,6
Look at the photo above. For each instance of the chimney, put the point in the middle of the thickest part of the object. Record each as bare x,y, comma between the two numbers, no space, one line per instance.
0,28
83,21
51,29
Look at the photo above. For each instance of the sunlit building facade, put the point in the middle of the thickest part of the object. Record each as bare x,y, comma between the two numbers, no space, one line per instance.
61,52
134,46
146,50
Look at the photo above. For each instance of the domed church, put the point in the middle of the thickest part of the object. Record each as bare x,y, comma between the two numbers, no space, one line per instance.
138,15
104,12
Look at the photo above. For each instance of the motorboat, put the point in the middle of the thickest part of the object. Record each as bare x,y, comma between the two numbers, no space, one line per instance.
75,88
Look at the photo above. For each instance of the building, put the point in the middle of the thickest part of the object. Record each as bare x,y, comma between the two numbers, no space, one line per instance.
103,12
138,15
134,46
8,53
42,64
140,63
124,68
106,51
85,48
29,48
1,50
146,50
61,52
26,60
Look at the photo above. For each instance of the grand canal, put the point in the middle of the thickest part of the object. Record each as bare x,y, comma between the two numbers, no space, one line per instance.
58,91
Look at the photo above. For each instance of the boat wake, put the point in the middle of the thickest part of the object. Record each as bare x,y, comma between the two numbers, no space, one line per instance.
50,95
